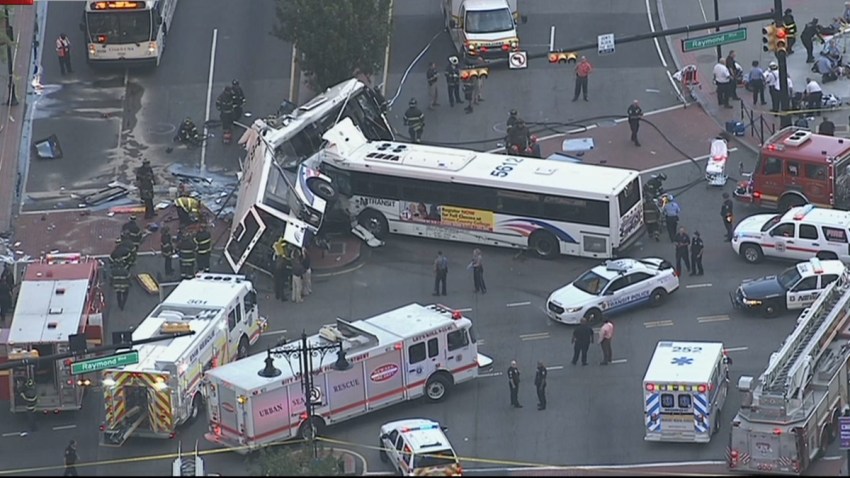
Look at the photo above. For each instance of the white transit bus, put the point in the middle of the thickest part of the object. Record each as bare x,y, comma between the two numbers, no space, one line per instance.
269,203
127,32
549,207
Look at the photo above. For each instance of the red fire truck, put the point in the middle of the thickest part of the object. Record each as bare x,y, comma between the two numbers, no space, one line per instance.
796,167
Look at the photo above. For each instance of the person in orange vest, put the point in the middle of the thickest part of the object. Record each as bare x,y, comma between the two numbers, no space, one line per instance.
63,50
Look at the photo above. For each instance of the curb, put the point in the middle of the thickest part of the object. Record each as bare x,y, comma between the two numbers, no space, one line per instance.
352,266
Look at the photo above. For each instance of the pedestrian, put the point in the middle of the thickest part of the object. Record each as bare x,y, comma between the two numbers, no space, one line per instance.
7,285
734,74
827,127
582,338
540,385
453,81
513,383
71,459
606,335
282,272
432,75
722,78
683,241
63,51
441,273
469,94
414,119
671,213
790,29
186,251
307,282
813,95
696,255
297,277
808,38
755,81
203,248
166,247
477,265
727,213
583,70
635,113
771,82
29,397
120,282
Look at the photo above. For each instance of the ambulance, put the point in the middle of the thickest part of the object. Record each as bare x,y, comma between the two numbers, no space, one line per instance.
391,358
60,298
163,390
684,390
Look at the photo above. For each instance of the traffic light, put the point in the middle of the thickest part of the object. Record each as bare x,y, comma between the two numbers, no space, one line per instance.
781,41
20,354
769,37
469,74
563,57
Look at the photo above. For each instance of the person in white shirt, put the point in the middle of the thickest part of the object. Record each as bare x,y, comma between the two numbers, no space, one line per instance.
771,81
723,79
813,95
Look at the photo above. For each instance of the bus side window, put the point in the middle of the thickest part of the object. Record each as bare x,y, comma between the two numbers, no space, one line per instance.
772,166
815,171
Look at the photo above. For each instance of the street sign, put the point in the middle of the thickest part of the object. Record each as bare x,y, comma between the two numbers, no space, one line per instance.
518,60
713,40
844,432
103,363
315,396
605,44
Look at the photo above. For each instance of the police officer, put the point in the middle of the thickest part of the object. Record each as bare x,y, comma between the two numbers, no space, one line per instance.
133,232
414,119
123,252
432,75
682,242
71,459
120,282
513,383
791,29
696,255
203,241
726,212
453,81
468,92
635,113
166,246
540,385
224,105
238,99
29,396
671,212
145,181
188,209
186,252
810,31
188,133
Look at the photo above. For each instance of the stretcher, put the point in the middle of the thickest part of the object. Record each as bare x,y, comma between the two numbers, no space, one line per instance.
715,170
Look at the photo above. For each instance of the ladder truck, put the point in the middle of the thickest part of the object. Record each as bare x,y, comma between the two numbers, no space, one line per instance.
789,415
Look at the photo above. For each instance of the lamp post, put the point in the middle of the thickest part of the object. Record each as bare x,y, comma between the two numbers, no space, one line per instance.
10,34
304,353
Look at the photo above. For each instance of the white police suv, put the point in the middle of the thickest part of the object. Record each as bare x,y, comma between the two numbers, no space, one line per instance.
418,446
613,287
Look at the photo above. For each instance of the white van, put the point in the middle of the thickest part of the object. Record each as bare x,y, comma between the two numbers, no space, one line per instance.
799,234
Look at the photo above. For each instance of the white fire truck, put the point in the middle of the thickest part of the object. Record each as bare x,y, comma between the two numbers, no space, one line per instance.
59,296
789,416
162,391
397,356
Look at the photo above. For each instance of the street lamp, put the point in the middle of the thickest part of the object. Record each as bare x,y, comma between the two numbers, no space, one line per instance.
10,34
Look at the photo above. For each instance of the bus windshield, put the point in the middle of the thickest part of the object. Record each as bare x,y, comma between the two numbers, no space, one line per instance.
119,27
489,21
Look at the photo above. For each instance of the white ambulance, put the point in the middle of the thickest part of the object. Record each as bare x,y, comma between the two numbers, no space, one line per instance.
684,390
396,356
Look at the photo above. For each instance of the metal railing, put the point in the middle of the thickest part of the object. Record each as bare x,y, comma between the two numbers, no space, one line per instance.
756,124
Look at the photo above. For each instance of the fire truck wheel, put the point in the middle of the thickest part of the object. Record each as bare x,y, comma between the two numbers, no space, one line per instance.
437,388
752,253
306,430
544,244
242,351
374,222
789,201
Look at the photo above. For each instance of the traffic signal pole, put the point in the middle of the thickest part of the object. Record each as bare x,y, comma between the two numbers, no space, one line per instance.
781,58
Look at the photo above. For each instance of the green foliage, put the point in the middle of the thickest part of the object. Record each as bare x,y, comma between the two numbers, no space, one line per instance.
296,460
336,38
4,38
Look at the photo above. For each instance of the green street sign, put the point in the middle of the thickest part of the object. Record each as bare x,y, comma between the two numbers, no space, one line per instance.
103,363
713,40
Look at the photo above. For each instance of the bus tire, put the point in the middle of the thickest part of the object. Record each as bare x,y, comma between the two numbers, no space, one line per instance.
544,244
593,316
374,222
790,200
242,348
321,188
657,298
437,388
752,253
305,431
195,410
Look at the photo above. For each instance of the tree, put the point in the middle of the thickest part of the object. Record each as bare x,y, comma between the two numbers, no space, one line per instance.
294,461
336,38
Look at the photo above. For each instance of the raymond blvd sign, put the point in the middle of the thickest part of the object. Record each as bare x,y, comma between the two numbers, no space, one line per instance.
713,40
103,363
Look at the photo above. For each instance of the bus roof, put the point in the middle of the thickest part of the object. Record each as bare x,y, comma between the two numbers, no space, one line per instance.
352,151
683,362
800,143
101,6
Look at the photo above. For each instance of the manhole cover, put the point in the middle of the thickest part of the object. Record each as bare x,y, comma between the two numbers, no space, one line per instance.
162,128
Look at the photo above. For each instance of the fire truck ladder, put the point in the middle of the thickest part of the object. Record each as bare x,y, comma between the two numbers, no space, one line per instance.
183,466
808,336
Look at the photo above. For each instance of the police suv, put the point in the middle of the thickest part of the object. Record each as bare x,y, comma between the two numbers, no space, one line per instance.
612,287
799,234
418,446
795,288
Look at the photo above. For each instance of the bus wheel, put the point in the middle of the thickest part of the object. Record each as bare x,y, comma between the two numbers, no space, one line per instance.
752,253
374,222
789,201
544,244
321,188
242,350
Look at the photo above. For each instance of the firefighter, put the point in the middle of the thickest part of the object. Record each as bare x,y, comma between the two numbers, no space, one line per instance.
29,396
145,181
123,252
188,133
453,81
513,117
133,232
468,91
224,105
282,270
188,209
120,282
519,136
414,119
186,250
203,242
166,246
790,28
238,99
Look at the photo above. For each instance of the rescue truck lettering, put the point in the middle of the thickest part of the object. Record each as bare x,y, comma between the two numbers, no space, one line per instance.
265,412
432,333
201,346
346,385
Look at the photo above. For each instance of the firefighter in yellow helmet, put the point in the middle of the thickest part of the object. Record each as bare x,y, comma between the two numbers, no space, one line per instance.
188,209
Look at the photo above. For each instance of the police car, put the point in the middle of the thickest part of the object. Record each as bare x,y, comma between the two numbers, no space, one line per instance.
612,287
799,234
418,446
795,288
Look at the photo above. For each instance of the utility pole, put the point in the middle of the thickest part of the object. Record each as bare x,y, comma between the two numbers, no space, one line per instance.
717,29
781,58
10,34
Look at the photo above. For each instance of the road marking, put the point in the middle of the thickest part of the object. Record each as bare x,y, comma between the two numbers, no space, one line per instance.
65,427
619,361
658,323
209,100
536,336
14,434
468,309
490,374
552,38
698,286
275,332
480,341
713,318
735,349
518,304
679,163
555,367
832,458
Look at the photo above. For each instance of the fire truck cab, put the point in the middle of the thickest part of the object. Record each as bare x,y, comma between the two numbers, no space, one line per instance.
797,167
